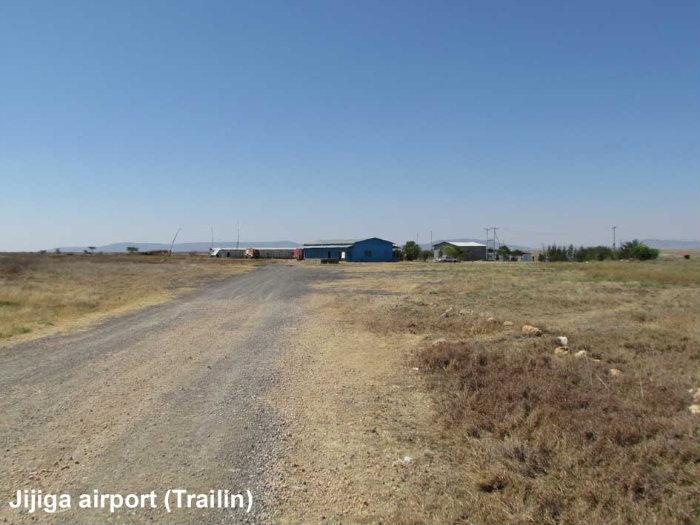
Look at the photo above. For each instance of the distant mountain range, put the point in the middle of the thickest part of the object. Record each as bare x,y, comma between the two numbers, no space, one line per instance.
180,247
672,244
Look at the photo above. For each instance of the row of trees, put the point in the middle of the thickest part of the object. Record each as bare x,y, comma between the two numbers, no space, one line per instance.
630,250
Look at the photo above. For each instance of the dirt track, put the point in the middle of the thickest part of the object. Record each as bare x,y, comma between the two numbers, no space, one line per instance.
169,397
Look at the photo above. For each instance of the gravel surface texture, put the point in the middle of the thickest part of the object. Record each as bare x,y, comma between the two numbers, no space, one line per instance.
173,396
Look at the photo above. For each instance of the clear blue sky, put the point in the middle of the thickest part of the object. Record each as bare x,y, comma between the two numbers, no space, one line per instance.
120,121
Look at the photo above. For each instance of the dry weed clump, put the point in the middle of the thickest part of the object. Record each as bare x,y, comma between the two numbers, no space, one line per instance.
558,440
16,264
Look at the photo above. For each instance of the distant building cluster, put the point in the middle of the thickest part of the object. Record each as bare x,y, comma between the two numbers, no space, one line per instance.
352,250
372,249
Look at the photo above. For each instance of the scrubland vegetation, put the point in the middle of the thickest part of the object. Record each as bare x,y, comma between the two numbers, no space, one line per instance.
629,250
42,293
599,432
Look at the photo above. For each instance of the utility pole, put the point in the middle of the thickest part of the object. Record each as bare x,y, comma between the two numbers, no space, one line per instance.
614,239
172,244
487,242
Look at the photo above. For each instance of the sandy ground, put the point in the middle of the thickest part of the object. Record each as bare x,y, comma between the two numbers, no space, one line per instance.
359,431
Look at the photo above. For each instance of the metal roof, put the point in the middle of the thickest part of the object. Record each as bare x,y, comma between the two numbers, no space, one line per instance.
331,242
328,245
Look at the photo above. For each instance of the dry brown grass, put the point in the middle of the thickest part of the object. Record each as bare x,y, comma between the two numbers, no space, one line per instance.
528,436
43,293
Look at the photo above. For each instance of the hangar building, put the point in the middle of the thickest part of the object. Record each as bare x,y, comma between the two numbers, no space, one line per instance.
365,250
470,251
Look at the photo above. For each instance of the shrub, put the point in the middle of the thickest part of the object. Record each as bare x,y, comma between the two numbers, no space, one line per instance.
593,253
411,251
545,426
504,252
452,251
638,250
631,250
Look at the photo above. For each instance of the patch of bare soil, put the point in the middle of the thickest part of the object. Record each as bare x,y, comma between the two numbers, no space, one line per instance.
358,428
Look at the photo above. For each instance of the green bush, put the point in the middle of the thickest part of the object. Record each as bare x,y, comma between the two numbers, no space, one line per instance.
638,250
594,253
630,250
411,251
452,251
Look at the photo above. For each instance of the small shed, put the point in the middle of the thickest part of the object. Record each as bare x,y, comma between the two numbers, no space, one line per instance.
373,249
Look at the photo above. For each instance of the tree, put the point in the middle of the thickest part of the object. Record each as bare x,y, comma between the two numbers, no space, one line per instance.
638,250
132,249
554,253
426,254
411,251
92,249
504,252
452,251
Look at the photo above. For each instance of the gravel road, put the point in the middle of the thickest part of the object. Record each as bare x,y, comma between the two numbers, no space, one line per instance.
169,397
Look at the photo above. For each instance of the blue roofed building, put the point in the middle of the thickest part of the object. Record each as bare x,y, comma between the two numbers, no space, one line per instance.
352,250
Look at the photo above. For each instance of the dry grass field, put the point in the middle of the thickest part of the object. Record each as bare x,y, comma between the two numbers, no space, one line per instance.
428,361
40,294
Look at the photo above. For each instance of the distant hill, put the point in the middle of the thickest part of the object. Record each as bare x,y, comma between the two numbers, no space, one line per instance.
119,247
670,244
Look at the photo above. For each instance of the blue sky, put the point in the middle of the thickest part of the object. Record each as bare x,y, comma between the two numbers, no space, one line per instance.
121,121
